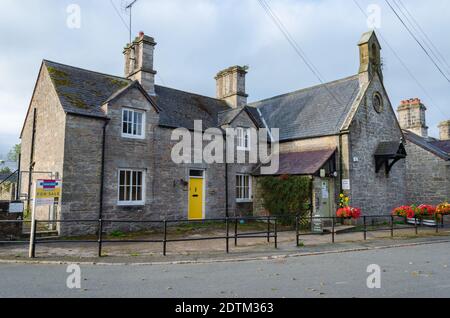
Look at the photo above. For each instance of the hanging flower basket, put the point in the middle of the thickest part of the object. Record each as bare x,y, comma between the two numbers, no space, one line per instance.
423,214
404,212
425,211
443,209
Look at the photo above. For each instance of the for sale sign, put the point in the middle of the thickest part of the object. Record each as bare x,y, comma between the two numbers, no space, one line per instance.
47,191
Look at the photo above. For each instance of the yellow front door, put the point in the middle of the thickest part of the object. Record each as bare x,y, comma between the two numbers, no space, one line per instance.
196,199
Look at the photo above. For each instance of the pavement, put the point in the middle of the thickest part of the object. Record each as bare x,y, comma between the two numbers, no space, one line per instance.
213,250
413,268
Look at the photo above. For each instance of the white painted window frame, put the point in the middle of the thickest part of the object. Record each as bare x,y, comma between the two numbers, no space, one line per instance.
133,136
131,203
250,189
243,133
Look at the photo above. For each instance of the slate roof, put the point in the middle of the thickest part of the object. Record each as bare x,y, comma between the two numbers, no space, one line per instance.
302,163
317,111
83,92
228,116
439,148
180,109
388,148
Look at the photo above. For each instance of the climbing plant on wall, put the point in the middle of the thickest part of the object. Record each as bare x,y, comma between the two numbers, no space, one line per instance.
286,196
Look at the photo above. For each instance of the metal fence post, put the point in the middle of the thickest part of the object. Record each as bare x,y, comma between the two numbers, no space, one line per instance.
436,218
297,230
268,229
333,230
392,226
100,237
165,239
33,240
415,225
365,228
236,232
228,234
276,232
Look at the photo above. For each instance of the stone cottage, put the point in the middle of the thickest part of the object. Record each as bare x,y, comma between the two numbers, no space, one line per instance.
428,162
109,139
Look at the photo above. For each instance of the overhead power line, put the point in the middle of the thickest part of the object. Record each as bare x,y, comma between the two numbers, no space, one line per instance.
426,39
402,63
418,41
128,27
300,52
120,15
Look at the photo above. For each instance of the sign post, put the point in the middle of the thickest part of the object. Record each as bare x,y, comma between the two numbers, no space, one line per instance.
45,193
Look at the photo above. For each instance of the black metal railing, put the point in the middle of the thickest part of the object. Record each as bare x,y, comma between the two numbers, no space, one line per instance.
165,240
365,225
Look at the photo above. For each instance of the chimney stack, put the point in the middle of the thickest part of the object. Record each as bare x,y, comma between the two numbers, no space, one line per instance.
444,130
139,62
230,84
411,115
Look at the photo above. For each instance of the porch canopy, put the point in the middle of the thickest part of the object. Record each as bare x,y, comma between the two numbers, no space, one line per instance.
302,163
388,154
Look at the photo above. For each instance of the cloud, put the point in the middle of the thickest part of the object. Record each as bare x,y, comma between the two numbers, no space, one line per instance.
197,38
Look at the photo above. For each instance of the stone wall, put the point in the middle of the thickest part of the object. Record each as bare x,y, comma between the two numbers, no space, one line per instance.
427,177
82,174
49,138
375,193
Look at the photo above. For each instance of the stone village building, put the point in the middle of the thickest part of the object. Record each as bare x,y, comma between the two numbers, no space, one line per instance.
428,161
109,139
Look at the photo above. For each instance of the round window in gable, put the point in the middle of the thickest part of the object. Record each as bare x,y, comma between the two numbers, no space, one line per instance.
378,102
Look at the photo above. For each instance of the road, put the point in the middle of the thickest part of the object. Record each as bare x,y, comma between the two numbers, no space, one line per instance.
419,271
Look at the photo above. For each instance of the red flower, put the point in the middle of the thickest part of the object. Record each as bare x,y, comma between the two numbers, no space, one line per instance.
404,211
425,210
349,212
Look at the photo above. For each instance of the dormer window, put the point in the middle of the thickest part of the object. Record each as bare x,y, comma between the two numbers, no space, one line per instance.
133,124
243,139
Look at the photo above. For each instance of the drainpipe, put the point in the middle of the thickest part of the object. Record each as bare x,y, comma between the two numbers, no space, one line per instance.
18,178
102,173
227,212
341,159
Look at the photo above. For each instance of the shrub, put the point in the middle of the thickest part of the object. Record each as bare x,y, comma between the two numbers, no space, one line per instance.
286,196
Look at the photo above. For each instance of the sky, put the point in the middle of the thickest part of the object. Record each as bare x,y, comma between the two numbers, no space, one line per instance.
198,38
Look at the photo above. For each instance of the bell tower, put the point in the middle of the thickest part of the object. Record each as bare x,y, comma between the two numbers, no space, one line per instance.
370,57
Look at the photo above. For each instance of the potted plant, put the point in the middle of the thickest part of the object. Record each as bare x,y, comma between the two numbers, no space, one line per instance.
348,213
345,211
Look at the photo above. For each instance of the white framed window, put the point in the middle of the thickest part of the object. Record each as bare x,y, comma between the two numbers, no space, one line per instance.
131,187
243,138
243,188
133,123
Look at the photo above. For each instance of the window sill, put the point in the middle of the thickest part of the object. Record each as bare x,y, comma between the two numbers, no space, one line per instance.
131,204
244,201
133,137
